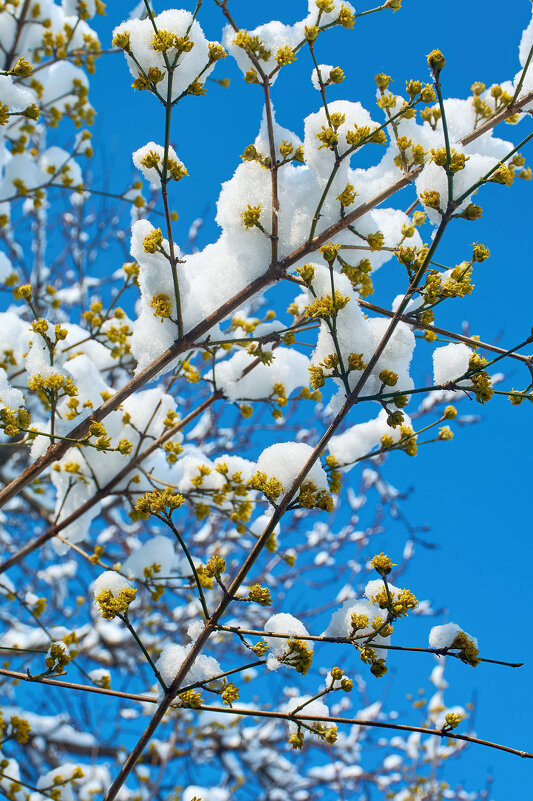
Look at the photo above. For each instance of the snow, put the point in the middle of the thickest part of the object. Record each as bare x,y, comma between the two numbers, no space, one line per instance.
158,550
71,7
285,460
321,159
443,636
433,178
324,70
289,368
99,675
169,663
150,173
16,97
189,64
13,398
340,624
60,779
316,707
284,623
450,362
360,439
205,793
110,581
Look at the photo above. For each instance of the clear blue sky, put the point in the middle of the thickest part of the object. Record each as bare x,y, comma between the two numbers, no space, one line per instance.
474,492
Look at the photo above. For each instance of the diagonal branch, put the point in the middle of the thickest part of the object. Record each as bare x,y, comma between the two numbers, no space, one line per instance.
261,713
273,273
474,343
104,491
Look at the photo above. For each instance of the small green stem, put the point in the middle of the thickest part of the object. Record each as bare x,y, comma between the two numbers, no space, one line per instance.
195,14
139,642
522,77
164,193
322,200
332,325
309,700
449,172
487,175
222,675
23,784
185,550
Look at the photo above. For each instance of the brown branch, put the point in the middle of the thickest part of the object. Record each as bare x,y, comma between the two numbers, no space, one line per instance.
370,723
273,273
212,623
20,24
489,124
52,531
352,640
91,688
260,713
274,236
474,343
261,542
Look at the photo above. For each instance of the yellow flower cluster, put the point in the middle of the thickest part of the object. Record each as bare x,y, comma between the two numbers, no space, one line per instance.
17,728
162,306
326,306
163,41
259,595
271,487
298,655
328,137
312,498
457,285
359,622
467,650
191,699
112,605
378,666
159,502
59,658
260,648
359,276
12,422
347,196
481,380
252,44
346,17
436,61
230,694
452,720
250,216
401,603
327,733
285,55
382,564
53,386
388,378
215,566
153,241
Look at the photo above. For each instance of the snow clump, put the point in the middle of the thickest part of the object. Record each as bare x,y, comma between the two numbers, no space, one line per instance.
450,362
283,623
169,664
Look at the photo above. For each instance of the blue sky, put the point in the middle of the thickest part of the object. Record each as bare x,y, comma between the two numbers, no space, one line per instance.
474,492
